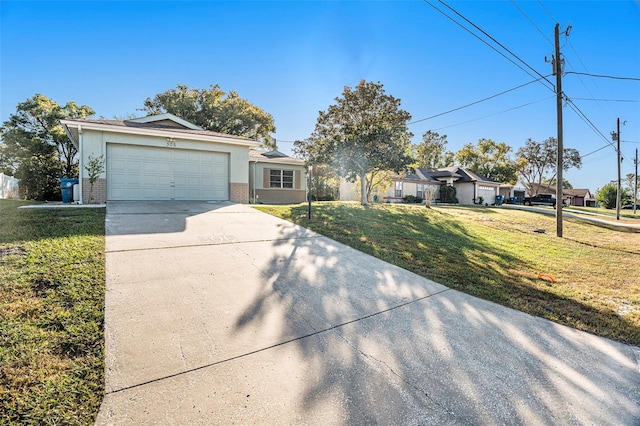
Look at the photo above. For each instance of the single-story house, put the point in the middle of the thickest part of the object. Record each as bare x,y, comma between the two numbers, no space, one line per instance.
416,184
469,186
276,178
571,197
161,157
517,192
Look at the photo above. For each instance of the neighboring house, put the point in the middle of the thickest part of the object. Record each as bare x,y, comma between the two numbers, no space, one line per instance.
350,191
469,186
8,187
161,157
514,193
571,197
415,184
275,178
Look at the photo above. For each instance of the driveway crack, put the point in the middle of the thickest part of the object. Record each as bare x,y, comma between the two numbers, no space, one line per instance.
295,339
400,377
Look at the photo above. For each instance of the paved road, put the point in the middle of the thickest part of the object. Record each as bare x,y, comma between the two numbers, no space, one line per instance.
220,314
607,221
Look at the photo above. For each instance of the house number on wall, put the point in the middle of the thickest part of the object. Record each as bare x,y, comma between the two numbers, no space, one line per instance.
171,144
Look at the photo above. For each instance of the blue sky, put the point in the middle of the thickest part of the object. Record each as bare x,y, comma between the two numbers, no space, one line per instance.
293,58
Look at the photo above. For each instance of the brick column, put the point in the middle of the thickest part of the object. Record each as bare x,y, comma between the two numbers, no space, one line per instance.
239,192
99,192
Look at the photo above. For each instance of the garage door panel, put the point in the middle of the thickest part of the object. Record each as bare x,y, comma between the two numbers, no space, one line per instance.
153,173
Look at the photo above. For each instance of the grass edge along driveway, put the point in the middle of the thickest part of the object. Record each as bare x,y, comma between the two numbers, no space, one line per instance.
584,280
52,282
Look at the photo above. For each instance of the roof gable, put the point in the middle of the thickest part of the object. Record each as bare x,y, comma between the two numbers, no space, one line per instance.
551,189
72,128
166,119
273,157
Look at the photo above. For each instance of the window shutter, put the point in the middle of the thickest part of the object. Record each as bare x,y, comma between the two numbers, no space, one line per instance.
296,180
266,178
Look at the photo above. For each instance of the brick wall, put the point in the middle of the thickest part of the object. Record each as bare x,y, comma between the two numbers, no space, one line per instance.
99,193
281,196
239,192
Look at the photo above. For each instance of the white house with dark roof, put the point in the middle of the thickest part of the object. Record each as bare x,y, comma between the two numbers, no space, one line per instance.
469,186
161,157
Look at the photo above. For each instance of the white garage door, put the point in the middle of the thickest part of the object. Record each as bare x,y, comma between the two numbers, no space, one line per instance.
150,173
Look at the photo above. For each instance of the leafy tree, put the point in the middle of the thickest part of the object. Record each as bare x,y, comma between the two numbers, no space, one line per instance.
489,159
325,183
607,196
35,148
94,168
377,178
364,132
448,194
630,185
214,110
551,183
535,160
431,153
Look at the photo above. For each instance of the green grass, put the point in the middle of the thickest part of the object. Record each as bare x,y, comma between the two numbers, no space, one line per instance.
51,314
624,213
494,253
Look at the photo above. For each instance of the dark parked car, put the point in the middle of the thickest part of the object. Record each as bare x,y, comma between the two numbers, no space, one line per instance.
540,200
630,207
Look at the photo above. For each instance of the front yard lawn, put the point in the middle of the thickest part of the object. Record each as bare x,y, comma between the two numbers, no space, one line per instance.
497,254
51,314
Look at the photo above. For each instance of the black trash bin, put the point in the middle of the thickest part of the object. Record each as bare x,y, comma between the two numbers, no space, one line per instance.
66,187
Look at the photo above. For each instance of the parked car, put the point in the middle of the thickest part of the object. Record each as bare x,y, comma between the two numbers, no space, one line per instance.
630,207
540,200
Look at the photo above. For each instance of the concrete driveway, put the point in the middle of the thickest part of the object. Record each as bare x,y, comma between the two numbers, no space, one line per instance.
220,314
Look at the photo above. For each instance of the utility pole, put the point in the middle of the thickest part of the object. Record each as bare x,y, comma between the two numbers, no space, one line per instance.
635,188
619,191
557,70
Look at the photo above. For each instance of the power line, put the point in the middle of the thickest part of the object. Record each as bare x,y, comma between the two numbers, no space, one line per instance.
474,103
532,22
582,115
579,77
497,42
593,126
494,114
488,44
593,152
606,100
603,76
547,10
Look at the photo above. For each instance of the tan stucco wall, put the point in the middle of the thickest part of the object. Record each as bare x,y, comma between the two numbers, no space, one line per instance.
94,143
464,193
350,191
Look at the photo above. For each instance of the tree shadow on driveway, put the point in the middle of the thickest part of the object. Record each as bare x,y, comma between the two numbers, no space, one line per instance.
387,346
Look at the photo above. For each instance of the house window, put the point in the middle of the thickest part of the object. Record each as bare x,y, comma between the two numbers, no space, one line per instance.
398,189
420,191
280,178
